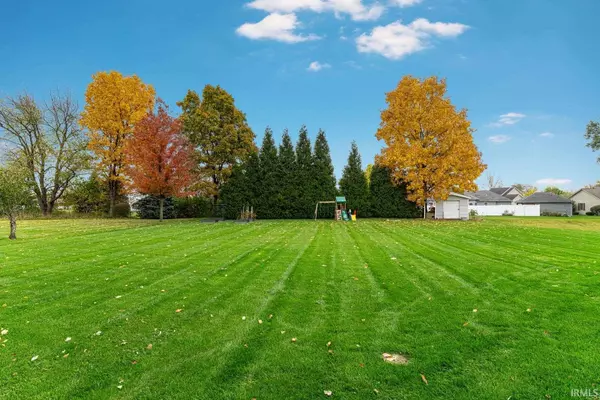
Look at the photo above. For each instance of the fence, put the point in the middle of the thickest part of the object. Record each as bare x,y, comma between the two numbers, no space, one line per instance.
518,210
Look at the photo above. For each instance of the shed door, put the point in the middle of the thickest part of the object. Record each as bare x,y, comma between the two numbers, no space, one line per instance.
452,210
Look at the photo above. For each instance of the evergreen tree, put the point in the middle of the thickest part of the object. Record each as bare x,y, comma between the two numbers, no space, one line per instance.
353,184
268,200
305,202
240,189
324,178
287,171
389,200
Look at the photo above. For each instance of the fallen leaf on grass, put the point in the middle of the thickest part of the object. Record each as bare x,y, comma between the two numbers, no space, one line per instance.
424,379
66,355
68,339
178,310
270,316
260,321
149,347
282,332
474,310
376,391
465,324
328,344
330,351
120,387
328,393
34,358
4,332
98,333
294,340
244,318
529,310
134,362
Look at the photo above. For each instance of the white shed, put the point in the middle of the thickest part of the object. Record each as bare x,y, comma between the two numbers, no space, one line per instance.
455,207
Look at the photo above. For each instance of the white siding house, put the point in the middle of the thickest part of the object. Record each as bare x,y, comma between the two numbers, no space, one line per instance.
585,199
455,207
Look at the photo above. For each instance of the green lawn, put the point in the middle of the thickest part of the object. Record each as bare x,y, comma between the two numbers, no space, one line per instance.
494,309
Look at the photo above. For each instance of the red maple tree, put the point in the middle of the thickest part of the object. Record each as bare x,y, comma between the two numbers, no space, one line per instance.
159,158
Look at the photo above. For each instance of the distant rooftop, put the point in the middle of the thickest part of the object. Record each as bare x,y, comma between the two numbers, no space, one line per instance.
487,195
544,198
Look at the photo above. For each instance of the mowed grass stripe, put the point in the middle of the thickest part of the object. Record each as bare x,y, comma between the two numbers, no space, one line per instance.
297,309
533,333
112,310
220,344
111,281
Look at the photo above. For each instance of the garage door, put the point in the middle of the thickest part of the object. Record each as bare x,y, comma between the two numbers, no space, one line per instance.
452,210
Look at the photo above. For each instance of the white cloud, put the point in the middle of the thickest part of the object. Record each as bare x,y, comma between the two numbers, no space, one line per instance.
280,27
499,139
553,182
397,40
508,119
355,8
316,66
547,134
406,3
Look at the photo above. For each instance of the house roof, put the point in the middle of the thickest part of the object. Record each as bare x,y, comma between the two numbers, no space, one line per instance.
511,196
487,195
593,191
544,198
500,190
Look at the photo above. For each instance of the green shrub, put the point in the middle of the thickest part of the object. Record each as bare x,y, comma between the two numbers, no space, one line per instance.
191,207
590,213
122,209
149,208
553,214
595,210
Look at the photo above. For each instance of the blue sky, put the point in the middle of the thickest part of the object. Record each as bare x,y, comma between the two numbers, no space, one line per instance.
527,70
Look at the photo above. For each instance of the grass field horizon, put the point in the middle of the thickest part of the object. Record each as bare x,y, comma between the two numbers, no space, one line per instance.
492,309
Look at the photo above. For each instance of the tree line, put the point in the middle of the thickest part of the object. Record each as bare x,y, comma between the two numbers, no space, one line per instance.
125,140
287,181
205,159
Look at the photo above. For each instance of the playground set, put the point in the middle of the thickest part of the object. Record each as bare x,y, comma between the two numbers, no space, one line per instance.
341,212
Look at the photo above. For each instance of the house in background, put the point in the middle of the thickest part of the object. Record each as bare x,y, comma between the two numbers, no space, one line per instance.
585,199
455,207
487,198
550,203
511,193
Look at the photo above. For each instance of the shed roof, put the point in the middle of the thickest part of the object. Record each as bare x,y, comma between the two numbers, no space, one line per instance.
543,198
340,199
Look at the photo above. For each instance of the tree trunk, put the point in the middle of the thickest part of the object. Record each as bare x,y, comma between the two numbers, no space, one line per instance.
13,227
161,201
112,194
214,205
425,211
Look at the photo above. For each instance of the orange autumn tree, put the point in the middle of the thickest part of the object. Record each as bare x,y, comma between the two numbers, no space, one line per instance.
113,105
429,143
159,158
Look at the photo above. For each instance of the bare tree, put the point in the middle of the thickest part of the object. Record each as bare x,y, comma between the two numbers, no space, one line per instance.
48,140
492,181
